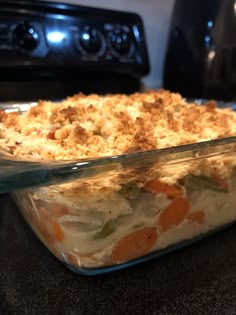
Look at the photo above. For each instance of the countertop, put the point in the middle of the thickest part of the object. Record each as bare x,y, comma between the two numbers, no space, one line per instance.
200,279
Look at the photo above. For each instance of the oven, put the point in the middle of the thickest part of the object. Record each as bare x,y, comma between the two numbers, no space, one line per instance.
51,50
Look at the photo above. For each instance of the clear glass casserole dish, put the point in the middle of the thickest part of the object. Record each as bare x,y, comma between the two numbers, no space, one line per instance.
99,215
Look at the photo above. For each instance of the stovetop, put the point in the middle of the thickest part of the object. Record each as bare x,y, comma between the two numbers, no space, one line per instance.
37,34
51,50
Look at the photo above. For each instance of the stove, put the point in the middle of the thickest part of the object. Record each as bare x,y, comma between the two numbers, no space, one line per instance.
51,50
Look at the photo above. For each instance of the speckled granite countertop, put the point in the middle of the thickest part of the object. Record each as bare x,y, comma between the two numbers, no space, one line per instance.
200,279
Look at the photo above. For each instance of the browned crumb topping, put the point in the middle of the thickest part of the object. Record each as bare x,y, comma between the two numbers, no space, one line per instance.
92,126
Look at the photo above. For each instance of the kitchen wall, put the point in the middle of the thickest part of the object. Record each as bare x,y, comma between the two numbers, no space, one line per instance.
156,16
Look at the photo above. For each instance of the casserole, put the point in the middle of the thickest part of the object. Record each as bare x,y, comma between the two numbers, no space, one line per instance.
105,212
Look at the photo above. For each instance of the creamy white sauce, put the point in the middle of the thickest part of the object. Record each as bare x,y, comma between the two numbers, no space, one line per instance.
219,209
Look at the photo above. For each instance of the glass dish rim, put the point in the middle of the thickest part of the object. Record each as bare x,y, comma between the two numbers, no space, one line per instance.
20,173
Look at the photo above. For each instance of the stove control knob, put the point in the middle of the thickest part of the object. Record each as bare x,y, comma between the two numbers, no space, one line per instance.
25,37
120,42
91,40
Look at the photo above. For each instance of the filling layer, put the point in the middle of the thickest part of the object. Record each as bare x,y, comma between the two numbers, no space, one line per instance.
121,225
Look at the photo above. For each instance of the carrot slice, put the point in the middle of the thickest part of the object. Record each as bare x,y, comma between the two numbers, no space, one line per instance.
197,216
174,214
50,230
221,182
134,245
71,259
171,191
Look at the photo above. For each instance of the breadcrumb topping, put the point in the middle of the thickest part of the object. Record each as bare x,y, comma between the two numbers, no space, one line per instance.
93,126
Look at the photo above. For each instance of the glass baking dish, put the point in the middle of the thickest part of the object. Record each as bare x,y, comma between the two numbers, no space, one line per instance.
100,215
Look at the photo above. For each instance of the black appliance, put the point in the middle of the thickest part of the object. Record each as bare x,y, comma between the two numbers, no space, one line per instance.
50,50
201,53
